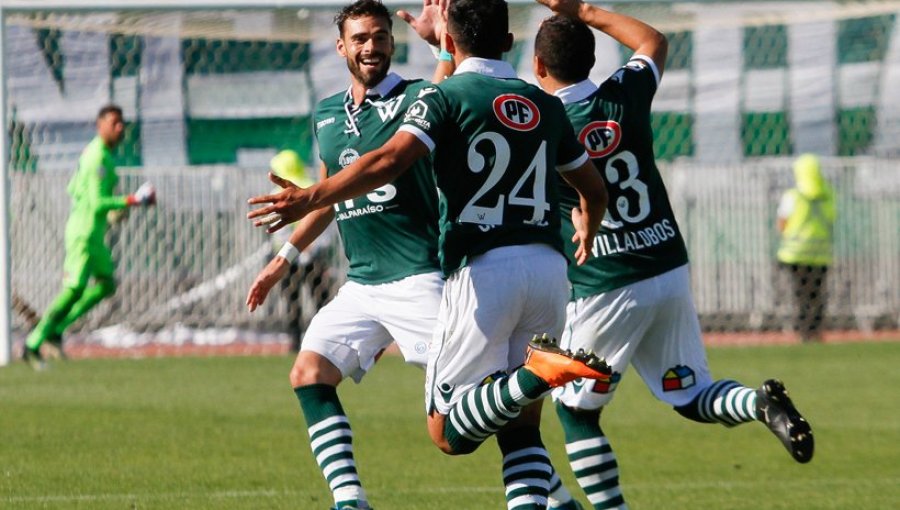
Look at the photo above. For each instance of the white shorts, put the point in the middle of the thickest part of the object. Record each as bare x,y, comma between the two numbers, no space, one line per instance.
653,325
491,309
362,320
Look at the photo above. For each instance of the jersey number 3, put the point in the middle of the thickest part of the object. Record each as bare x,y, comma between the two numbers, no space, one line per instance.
631,181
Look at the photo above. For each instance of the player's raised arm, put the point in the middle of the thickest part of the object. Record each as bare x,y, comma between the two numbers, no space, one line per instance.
371,170
633,33
430,25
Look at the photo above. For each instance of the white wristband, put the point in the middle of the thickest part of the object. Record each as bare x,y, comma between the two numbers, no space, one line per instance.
289,252
435,50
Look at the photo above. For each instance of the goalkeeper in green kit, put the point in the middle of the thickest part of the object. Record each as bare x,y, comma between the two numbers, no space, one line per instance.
87,255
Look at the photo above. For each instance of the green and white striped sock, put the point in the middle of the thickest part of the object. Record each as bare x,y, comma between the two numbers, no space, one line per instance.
727,402
592,458
331,441
559,494
485,409
526,469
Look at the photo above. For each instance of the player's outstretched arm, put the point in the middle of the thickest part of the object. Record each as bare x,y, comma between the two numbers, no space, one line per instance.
307,230
633,33
593,200
373,169
97,192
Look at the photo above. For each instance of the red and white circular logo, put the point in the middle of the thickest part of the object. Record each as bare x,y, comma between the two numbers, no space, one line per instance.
601,137
517,112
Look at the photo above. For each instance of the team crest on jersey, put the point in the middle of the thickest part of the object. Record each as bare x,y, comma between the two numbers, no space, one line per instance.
607,386
517,112
601,137
678,377
387,110
347,157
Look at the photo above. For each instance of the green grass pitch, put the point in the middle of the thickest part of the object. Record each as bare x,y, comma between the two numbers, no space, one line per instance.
226,433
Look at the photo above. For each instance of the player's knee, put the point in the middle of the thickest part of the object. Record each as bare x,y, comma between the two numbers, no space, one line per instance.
436,423
303,375
311,368
444,446
75,293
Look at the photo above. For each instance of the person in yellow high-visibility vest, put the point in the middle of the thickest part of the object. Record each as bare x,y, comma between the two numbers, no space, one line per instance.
806,217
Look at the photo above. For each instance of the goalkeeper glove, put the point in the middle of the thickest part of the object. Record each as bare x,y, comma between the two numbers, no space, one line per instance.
145,195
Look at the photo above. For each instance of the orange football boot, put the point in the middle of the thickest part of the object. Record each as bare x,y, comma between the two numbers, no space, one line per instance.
557,367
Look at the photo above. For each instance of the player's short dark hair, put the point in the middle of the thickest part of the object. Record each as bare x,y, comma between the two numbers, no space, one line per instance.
362,9
479,27
566,46
110,108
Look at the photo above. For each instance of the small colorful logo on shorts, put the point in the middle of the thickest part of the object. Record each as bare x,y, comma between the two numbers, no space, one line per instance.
607,386
678,378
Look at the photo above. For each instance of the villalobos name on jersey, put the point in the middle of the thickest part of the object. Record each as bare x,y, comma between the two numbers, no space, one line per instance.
609,243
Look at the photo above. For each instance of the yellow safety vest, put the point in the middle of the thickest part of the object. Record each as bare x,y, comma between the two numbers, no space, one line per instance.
809,231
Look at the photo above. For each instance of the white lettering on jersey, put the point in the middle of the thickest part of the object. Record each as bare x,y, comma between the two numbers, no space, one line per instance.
323,123
626,241
377,197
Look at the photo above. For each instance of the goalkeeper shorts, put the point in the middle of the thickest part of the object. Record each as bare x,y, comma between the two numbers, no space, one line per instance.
84,260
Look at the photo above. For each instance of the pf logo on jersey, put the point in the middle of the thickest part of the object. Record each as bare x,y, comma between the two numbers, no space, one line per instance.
347,157
517,112
601,137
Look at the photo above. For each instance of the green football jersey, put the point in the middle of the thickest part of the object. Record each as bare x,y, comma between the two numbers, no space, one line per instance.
91,189
639,237
496,140
391,232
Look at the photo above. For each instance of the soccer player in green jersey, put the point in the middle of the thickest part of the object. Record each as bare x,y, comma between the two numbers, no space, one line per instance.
632,302
87,255
389,236
496,142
